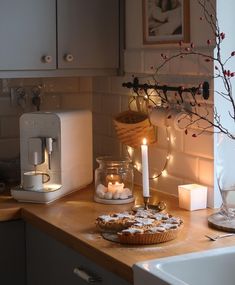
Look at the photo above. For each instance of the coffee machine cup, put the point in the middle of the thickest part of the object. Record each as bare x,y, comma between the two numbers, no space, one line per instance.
34,180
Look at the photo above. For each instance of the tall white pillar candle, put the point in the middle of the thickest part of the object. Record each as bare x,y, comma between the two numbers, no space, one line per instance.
145,168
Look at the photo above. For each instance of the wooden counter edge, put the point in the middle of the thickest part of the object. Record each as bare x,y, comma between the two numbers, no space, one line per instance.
98,257
10,214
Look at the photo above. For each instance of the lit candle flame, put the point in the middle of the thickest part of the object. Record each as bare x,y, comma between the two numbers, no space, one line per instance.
144,141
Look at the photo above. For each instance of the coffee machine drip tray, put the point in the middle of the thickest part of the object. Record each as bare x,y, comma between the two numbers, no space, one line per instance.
45,195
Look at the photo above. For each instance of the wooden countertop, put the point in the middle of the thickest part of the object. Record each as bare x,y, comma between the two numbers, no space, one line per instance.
71,220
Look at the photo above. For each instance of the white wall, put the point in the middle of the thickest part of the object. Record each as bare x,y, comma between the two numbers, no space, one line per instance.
191,158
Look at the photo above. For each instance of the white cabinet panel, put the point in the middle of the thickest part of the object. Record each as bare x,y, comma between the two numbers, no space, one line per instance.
88,33
27,33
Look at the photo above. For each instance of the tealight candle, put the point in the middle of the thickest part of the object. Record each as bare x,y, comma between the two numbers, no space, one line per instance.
112,178
145,168
192,197
113,187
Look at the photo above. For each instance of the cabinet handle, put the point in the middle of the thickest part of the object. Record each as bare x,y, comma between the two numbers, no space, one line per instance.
69,57
86,275
47,58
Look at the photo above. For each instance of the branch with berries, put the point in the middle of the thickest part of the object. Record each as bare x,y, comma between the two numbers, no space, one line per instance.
193,108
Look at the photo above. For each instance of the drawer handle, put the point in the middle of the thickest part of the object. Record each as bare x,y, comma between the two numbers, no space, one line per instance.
86,275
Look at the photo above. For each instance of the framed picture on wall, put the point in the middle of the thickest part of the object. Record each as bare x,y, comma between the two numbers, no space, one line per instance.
166,21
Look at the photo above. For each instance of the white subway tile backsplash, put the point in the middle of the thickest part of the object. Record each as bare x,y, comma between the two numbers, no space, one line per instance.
73,101
9,148
189,64
61,85
9,127
97,142
168,184
133,61
125,99
4,85
7,109
157,159
97,102
206,67
176,139
111,104
101,124
201,146
206,171
110,146
85,84
183,166
153,59
50,101
116,84
102,84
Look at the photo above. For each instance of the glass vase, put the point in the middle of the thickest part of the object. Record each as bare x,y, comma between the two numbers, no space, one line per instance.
114,180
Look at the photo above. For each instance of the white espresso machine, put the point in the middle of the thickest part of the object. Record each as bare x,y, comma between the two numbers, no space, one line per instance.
58,144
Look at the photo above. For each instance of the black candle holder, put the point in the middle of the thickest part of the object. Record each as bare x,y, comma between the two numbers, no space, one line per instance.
160,206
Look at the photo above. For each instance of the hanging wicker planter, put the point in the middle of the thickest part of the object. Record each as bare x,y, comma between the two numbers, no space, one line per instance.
132,126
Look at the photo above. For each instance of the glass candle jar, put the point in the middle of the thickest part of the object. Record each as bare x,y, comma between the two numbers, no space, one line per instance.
114,180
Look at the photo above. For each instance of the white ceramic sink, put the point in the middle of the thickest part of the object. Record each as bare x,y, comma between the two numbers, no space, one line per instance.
211,267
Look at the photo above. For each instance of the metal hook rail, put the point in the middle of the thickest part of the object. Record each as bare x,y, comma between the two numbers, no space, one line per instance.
200,90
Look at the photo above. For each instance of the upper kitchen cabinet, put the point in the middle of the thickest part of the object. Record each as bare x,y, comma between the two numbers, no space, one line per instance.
59,37
88,33
28,34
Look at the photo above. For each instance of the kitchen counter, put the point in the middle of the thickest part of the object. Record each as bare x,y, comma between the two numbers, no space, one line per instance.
71,220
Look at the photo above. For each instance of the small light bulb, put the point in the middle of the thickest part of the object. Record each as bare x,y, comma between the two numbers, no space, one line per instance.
130,150
138,166
164,173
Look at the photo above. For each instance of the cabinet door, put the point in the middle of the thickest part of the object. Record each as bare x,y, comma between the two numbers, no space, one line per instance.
88,33
12,253
28,34
49,262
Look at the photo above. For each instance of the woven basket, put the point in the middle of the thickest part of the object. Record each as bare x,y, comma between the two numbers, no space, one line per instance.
132,126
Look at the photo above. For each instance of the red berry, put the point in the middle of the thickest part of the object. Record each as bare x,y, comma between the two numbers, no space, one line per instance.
222,36
232,74
232,53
